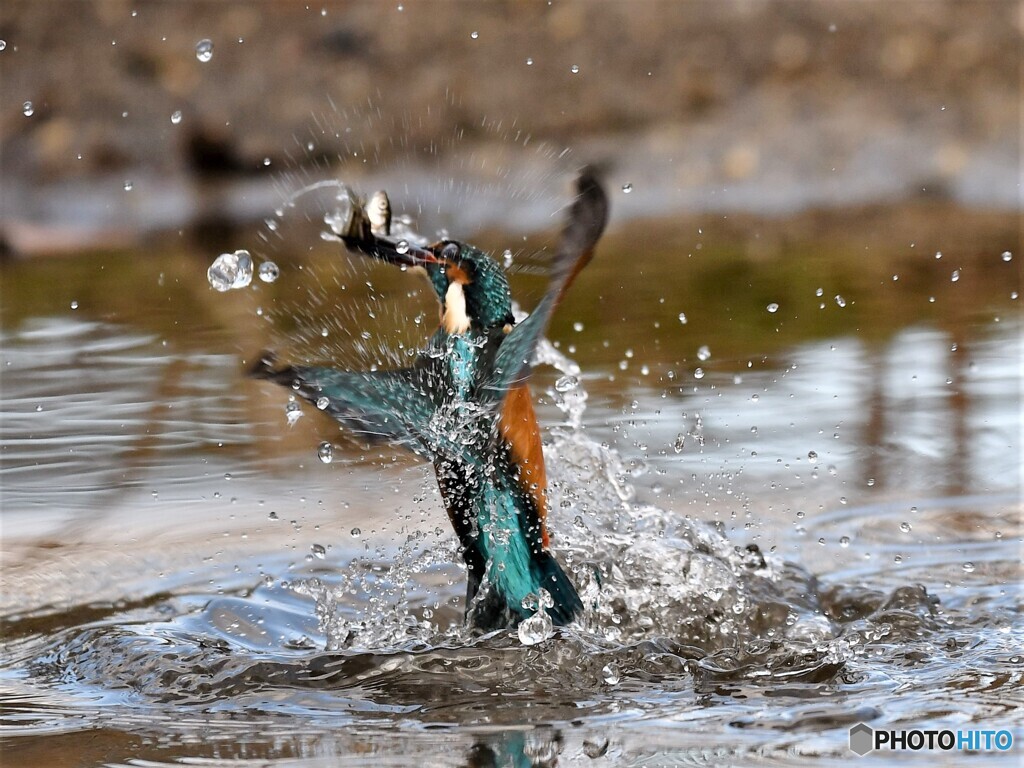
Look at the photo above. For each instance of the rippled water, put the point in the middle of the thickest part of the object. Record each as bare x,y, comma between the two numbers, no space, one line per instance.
808,533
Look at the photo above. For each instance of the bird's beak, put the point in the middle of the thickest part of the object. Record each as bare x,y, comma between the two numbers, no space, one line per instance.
398,252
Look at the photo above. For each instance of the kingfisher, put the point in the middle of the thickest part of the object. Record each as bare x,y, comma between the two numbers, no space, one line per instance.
465,405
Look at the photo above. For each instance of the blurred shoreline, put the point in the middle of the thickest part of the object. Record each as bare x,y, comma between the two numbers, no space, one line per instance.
113,132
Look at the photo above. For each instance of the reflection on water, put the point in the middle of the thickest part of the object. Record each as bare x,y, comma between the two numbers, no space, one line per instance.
177,561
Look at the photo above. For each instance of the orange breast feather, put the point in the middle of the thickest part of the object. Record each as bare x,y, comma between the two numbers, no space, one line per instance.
519,426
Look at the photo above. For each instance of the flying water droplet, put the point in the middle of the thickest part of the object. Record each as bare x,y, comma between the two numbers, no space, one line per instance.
269,272
680,443
627,188
176,117
27,109
230,270
575,69
610,673
698,373
773,307
595,749
844,541
356,533
204,50
566,383
704,353
129,185
905,527
319,551
340,220
1007,256
474,35
402,246
536,629
3,45
968,567
322,403
955,276
840,301
812,457
682,318
292,412
325,452
507,258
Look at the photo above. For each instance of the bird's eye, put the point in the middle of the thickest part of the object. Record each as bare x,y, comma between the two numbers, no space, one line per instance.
451,252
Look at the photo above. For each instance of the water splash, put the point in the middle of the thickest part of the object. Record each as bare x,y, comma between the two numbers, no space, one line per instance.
230,271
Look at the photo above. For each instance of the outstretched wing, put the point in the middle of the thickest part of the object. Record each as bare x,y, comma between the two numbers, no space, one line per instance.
391,405
587,218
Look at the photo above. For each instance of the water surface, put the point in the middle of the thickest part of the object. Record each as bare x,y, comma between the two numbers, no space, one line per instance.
185,579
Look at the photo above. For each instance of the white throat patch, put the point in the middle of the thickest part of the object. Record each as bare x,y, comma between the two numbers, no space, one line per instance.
455,319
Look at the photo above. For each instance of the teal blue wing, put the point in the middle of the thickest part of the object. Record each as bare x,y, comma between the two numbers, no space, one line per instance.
394,405
586,221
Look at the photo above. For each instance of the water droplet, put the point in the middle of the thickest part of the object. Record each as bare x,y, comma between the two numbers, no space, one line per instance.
698,373
292,412
812,457
230,270
27,109
402,246
128,185
176,117
627,188
574,69
566,383
74,305
773,307
905,527
968,567
819,292
318,551
474,35
269,272
842,499
938,254
507,258
322,403
356,533
955,276
844,541
529,61
340,220
682,318
204,50
577,326
610,673
536,629
704,353
840,301
325,452
3,45
1007,256
680,442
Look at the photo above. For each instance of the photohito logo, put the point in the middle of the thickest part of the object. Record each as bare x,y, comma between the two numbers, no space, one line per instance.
864,739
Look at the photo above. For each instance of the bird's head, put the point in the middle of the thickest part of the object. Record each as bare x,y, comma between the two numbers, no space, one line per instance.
470,286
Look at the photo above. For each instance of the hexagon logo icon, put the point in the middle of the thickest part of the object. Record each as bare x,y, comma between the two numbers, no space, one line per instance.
862,739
